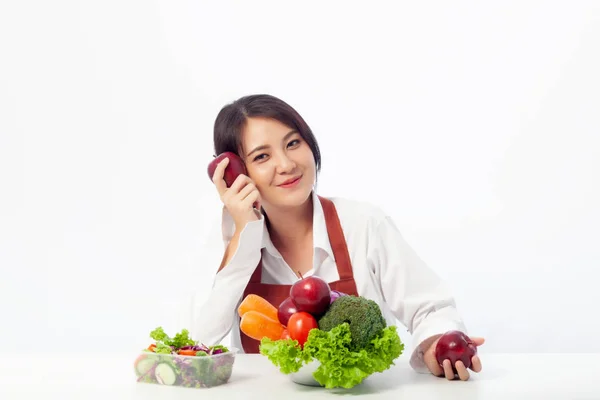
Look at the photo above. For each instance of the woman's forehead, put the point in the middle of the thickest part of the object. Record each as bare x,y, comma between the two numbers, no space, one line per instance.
259,131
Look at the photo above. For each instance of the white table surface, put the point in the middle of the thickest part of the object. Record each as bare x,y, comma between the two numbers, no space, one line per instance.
505,376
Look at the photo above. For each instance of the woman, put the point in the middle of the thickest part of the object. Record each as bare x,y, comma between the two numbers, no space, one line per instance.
277,229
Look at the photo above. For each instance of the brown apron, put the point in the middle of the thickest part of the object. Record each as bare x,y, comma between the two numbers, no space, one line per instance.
276,294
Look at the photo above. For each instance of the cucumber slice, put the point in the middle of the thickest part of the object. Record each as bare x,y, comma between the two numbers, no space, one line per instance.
143,366
165,374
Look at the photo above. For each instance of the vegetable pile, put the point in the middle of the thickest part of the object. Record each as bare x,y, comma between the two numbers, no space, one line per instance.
348,335
181,361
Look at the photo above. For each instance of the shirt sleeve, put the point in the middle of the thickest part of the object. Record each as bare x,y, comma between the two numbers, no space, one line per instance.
213,313
415,294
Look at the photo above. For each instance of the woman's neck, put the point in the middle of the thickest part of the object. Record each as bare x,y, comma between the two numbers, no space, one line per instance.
290,228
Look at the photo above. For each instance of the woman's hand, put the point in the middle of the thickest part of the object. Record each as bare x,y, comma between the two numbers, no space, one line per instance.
240,198
463,373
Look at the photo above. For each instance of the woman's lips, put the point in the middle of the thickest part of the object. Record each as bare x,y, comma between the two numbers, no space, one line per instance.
291,184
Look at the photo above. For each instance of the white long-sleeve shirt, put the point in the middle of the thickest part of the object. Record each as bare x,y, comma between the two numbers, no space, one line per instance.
385,268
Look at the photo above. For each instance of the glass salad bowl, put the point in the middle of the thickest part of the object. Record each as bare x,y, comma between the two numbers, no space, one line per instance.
191,371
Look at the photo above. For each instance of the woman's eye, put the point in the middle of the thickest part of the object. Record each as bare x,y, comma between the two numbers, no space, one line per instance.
259,157
293,142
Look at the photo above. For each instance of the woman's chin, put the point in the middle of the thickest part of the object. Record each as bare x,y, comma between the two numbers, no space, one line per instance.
293,199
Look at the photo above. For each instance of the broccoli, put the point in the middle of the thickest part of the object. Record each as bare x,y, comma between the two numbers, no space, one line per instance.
363,315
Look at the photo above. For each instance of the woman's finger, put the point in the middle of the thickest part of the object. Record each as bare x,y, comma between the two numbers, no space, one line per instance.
478,341
257,204
240,182
476,363
247,190
463,373
448,372
237,185
251,198
218,176
432,365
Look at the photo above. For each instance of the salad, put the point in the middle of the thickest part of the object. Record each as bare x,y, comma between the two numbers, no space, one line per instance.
346,334
181,361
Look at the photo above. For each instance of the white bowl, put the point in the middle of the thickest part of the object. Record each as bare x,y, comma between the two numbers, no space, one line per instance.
304,376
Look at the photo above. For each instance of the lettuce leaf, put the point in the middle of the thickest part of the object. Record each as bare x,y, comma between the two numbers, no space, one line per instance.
285,354
163,340
339,367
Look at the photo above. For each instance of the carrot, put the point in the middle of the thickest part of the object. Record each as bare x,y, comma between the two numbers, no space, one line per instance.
253,302
187,352
152,347
257,326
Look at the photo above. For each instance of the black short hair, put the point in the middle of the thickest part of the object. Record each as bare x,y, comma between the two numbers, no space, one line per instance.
232,118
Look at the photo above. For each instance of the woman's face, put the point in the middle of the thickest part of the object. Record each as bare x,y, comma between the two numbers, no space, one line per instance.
279,161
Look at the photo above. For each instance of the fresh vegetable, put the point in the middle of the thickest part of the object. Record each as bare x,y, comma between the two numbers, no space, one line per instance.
335,295
257,325
143,364
363,315
300,325
165,374
339,365
351,341
183,362
163,340
253,302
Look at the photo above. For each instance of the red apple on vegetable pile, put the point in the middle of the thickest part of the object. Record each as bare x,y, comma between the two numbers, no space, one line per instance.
235,167
286,309
311,295
455,345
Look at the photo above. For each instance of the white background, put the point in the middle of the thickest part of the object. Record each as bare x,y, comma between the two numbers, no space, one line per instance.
475,125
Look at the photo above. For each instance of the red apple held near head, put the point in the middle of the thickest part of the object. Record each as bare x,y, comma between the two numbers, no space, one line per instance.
286,309
311,295
455,345
235,167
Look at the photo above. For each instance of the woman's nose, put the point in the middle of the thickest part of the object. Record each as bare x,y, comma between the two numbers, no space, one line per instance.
285,164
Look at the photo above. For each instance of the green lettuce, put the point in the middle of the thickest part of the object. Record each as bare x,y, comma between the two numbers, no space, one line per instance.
339,366
284,353
180,340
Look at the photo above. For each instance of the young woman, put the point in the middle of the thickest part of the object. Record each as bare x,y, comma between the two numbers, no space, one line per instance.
277,229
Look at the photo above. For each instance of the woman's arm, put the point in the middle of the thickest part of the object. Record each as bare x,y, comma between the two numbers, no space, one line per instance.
213,313
415,294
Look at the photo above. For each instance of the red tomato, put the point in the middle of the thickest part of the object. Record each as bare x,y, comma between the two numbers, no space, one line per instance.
299,326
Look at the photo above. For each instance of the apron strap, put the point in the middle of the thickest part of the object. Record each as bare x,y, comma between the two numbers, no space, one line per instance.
337,240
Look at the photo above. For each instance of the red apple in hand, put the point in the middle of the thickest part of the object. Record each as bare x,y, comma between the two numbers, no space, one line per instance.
235,167
286,309
311,295
455,345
